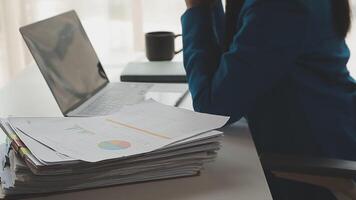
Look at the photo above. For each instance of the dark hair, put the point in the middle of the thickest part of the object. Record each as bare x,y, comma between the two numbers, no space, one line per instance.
342,17
341,10
233,8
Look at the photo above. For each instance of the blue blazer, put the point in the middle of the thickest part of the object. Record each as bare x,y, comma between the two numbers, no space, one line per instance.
285,72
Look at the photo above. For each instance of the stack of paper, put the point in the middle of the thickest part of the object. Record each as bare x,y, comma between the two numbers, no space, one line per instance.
143,142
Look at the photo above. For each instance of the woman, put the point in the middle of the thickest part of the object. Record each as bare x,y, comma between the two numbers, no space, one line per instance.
282,65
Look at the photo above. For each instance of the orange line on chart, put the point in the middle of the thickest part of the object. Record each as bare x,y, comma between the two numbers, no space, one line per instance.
138,129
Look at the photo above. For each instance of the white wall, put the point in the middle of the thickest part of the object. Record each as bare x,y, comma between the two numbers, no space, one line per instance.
351,40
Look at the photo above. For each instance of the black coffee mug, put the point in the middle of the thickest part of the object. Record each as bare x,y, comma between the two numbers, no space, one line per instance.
160,46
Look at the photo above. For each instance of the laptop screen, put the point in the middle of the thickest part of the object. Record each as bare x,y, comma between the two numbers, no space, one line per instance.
66,59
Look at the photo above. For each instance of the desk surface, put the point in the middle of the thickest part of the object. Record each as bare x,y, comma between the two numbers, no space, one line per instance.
236,174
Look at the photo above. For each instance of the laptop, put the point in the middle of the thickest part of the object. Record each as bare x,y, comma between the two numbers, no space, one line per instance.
73,71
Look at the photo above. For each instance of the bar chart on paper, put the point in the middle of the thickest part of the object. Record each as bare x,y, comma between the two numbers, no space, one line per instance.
114,145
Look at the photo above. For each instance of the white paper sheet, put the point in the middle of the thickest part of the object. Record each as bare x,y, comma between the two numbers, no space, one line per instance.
42,152
134,130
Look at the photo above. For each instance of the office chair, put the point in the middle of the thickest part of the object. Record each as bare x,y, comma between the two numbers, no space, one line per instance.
336,175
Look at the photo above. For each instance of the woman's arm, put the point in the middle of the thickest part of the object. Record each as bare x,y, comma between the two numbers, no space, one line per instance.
263,53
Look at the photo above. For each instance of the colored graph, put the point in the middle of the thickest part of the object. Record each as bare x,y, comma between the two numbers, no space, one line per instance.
138,129
114,145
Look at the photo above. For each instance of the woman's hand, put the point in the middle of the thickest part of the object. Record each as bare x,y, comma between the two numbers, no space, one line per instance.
192,3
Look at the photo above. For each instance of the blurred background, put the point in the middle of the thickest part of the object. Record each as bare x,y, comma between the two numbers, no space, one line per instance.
115,27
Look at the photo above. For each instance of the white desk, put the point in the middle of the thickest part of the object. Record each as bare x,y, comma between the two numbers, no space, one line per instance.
235,175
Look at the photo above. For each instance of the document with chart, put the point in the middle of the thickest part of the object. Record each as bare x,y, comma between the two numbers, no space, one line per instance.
142,142
137,129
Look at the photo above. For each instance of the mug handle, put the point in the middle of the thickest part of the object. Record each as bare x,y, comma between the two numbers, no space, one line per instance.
177,52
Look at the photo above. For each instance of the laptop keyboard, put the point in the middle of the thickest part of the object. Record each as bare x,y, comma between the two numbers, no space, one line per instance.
113,97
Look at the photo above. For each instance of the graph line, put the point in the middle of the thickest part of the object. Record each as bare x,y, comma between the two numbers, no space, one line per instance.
138,129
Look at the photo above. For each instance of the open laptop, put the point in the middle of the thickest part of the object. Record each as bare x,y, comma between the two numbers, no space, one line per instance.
72,69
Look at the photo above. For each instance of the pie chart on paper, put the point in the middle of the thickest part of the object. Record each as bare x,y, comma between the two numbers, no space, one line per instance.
114,145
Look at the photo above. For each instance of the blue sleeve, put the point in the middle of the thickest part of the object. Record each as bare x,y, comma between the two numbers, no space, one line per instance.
264,51
218,21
